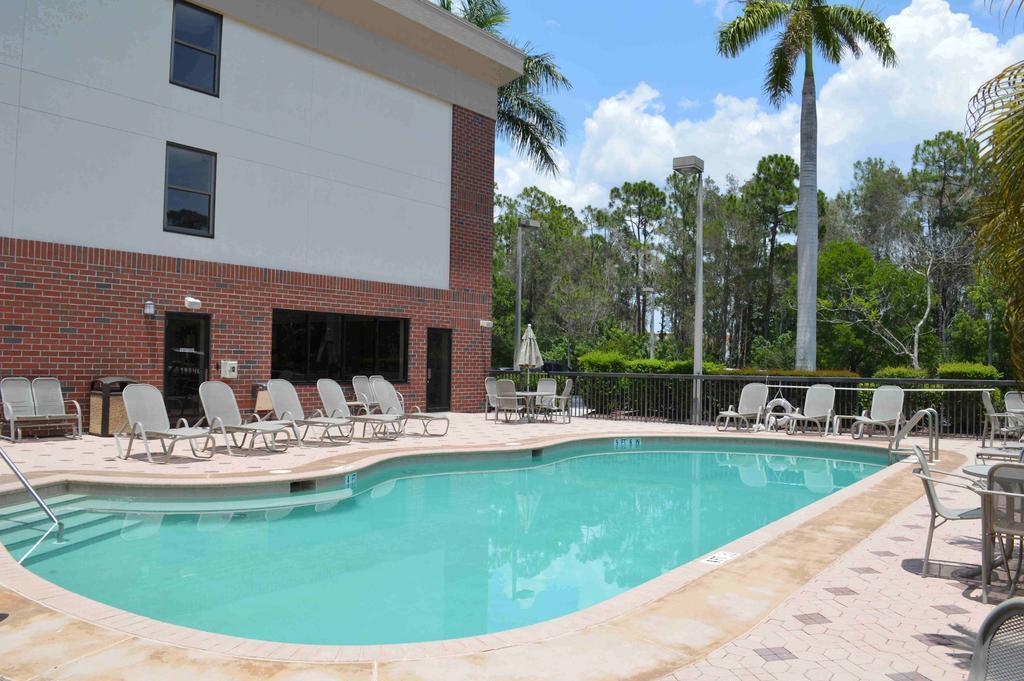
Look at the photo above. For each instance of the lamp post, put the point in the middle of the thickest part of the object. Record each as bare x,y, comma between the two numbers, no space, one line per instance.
687,165
650,329
988,318
524,223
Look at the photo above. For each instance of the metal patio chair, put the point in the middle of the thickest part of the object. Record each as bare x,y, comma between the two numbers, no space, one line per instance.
37,404
222,413
147,420
751,407
999,648
559,404
819,408
940,511
332,396
1002,522
886,413
392,403
287,407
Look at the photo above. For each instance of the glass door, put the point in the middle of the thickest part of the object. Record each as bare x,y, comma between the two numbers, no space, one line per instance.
439,369
186,363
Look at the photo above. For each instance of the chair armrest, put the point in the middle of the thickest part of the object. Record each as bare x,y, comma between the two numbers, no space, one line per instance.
216,420
254,416
985,492
78,407
317,414
973,487
960,476
182,420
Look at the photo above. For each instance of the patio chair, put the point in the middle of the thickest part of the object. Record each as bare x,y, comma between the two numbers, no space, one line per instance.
222,413
146,416
548,387
1003,423
491,390
392,403
999,648
287,407
332,396
364,394
39,404
940,511
819,407
559,404
751,406
1002,522
886,412
508,402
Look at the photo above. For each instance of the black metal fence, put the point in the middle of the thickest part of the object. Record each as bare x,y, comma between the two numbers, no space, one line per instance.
669,397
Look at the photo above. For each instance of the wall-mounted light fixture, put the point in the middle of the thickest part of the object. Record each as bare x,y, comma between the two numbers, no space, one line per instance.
149,308
193,303
486,324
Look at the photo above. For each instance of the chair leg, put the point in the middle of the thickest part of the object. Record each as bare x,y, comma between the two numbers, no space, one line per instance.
928,546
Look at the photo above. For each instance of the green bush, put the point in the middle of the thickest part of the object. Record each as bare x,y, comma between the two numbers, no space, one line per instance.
599,361
645,366
969,370
901,372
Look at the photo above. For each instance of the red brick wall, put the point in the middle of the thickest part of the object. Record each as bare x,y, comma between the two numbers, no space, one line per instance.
76,312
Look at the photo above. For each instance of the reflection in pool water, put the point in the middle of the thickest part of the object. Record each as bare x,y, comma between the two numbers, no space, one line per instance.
423,551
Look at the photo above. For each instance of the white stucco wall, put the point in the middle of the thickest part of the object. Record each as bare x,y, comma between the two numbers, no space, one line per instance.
322,167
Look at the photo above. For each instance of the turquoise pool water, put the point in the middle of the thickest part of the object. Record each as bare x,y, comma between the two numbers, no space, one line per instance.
435,549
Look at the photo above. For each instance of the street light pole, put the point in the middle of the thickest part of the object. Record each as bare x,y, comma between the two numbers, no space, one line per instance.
686,165
650,329
523,224
988,318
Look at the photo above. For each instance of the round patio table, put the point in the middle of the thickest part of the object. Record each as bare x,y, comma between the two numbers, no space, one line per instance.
978,470
531,401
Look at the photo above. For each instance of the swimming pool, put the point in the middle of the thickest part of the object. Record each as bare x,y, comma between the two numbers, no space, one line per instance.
423,549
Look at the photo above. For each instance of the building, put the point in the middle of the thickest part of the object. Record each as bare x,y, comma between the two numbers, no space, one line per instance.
301,187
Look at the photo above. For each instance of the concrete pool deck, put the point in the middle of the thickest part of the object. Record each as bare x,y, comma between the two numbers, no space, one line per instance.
738,620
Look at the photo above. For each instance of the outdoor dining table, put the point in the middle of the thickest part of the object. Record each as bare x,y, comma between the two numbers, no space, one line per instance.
978,470
531,401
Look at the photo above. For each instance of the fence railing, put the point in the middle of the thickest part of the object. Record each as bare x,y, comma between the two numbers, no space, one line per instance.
669,397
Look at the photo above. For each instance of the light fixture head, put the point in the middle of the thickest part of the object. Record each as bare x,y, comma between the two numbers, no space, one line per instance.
149,308
486,324
685,165
525,223
193,303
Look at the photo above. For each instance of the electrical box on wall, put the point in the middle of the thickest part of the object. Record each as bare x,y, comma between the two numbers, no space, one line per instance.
228,368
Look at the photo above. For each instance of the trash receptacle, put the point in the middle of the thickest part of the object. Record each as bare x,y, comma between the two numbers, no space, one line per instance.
261,399
106,406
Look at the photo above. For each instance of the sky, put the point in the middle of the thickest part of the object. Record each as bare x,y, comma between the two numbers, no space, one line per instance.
649,85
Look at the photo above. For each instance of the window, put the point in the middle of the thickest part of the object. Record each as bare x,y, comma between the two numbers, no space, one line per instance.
190,179
307,346
195,48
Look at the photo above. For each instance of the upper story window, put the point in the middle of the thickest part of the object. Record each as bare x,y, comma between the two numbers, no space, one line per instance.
190,181
195,51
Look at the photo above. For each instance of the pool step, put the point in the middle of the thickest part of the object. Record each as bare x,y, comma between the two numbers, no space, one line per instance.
56,503
15,534
94,528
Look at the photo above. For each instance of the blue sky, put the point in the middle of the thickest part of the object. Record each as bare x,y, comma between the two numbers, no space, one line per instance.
648,84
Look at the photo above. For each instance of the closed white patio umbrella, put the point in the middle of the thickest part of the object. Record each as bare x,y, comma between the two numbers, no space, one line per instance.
529,353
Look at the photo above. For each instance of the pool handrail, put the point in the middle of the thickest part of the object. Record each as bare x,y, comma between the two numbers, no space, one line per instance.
57,524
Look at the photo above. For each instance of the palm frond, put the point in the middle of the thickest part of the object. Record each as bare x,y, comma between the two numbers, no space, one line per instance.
758,18
487,15
862,26
996,120
778,80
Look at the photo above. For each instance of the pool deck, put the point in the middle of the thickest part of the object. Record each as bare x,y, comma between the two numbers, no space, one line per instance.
832,591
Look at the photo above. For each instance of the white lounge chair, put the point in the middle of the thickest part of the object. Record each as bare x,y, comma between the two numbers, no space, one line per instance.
886,412
147,420
491,390
287,407
364,394
332,396
819,406
222,413
39,404
391,403
558,405
751,407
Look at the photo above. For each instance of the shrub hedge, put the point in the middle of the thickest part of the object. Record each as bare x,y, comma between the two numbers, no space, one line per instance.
901,372
969,370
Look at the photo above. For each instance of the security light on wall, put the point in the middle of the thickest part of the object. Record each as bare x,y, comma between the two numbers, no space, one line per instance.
149,308
193,303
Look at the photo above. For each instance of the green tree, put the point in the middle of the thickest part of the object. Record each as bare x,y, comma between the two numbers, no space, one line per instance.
525,118
769,196
880,199
805,26
637,209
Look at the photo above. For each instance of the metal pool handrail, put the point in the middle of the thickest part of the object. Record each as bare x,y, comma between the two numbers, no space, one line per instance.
39,500
932,417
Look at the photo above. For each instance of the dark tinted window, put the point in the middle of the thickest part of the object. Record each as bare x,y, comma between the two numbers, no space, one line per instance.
195,53
311,345
189,190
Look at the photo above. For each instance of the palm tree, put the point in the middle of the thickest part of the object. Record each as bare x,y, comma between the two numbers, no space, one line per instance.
996,119
525,119
803,26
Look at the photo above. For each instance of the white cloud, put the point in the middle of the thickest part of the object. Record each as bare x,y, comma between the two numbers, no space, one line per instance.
687,103
863,109
719,8
553,24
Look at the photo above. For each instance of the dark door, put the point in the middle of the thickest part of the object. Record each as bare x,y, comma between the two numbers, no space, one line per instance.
186,363
439,369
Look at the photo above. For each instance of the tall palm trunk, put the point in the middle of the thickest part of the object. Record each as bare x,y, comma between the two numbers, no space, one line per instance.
807,226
